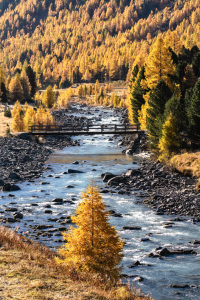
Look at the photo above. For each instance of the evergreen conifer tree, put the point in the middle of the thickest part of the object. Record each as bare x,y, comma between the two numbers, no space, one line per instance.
32,80
136,95
194,113
157,100
94,245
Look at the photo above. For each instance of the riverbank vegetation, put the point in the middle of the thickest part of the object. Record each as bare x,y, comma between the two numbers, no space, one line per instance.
164,97
28,270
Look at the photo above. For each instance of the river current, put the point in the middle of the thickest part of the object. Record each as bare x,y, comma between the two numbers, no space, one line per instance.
96,155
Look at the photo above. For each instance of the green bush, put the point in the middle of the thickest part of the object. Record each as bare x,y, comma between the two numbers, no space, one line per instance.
7,112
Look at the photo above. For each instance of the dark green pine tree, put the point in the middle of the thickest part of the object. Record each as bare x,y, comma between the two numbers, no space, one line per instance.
175,107
158,97
31,77
194,114
137,93
196,64
3,96
133,75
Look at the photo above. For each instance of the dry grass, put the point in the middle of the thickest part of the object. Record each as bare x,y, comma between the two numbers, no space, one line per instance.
4,121
28,271
187,163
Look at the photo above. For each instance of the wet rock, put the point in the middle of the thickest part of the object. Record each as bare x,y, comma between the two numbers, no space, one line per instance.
73,171
179,286
7,187
48,211
14,188
12,209
14,176
11,220
44,183
70,187
1,183
107,176
164,252
62,229
75,163
131,228
57,200
129,152
18,215
144,239
47,206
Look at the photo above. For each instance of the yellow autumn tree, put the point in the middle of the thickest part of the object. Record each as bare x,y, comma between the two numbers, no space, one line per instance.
94,245
16,109
49,98
18,123
170,138
159,65
29,118
80,91
172,40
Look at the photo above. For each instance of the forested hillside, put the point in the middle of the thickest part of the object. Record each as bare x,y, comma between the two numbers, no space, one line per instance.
67,40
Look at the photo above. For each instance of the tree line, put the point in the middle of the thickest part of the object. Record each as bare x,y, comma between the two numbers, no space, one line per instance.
165,95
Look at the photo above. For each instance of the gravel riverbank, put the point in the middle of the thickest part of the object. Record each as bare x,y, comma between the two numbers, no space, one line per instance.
23,159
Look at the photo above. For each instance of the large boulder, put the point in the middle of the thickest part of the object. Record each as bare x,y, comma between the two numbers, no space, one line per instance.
107,176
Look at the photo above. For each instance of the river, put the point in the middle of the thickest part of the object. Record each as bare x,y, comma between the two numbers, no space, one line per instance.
96,155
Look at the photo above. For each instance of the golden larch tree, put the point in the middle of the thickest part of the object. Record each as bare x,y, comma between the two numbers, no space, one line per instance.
94,245
49,98
15,88
169,141
25,85
29,118
159,65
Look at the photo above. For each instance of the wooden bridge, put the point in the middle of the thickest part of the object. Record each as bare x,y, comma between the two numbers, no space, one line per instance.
84,129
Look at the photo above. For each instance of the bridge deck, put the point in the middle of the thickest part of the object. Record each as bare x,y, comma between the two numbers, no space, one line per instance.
84,129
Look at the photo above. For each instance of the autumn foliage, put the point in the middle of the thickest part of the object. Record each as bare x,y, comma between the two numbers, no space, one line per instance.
93,245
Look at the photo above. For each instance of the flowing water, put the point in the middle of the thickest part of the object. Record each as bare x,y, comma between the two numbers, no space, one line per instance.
96,155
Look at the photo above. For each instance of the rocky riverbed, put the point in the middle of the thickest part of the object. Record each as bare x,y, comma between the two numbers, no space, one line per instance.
166,192
22,158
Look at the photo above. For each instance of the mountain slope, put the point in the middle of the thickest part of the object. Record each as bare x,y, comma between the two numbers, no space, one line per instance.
62,39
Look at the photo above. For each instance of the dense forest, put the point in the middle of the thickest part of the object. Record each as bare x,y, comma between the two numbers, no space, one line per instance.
71,41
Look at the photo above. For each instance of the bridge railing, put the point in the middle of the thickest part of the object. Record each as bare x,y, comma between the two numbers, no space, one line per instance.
85,128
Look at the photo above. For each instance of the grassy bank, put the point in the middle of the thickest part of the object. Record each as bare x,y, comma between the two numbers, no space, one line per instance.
28,271
187,163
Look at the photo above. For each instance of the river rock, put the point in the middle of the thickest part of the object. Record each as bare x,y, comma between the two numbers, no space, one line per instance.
1,183
12,209
14,187
164,252
7,187
18,215
131,228
73,171
69,187
48,211
57,200
14,176
75,163
107,176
